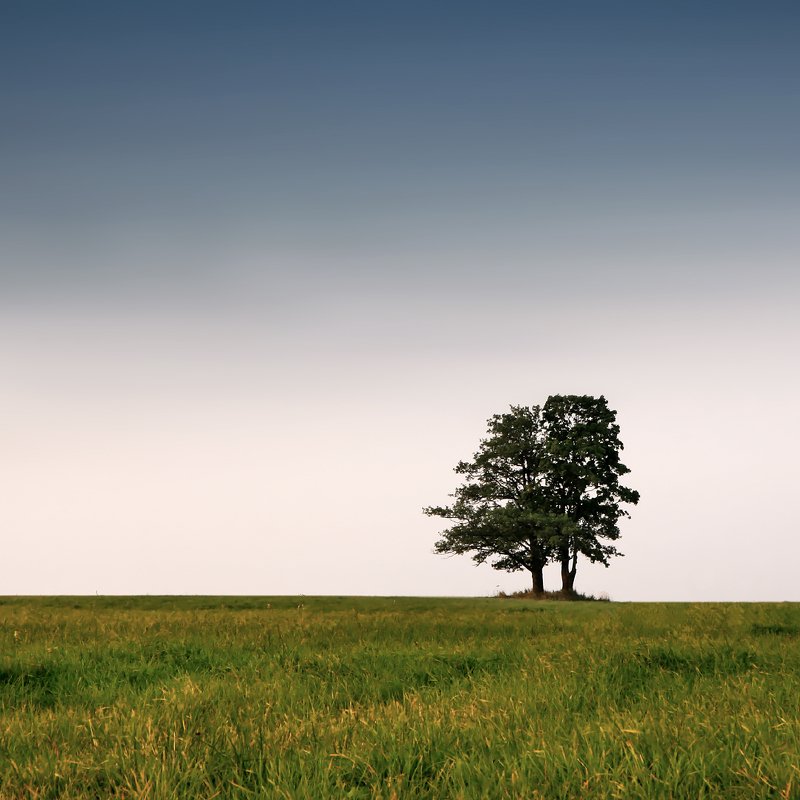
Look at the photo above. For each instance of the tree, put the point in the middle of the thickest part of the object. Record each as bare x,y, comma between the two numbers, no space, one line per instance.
500,512
584,469
543,486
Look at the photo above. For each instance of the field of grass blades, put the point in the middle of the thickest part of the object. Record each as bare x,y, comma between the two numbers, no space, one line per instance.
337,697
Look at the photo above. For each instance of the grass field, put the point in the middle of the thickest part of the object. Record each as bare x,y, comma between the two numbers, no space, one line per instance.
379,697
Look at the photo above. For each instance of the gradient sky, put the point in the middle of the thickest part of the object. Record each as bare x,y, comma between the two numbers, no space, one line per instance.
267,268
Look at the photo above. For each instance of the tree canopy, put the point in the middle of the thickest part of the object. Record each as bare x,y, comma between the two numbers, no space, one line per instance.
543,486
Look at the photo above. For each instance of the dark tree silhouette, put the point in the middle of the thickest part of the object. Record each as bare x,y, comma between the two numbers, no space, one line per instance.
583,479
543,486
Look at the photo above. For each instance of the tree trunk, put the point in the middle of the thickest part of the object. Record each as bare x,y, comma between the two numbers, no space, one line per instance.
568,571
538,580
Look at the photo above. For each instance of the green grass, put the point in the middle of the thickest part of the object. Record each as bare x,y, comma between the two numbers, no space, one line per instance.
157,697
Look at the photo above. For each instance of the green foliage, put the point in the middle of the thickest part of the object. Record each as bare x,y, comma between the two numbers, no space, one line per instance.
543,486
584,469
396,698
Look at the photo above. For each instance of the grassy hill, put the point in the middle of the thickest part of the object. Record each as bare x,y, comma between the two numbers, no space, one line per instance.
287,697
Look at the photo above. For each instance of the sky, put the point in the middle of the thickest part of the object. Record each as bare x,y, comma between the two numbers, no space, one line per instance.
268,267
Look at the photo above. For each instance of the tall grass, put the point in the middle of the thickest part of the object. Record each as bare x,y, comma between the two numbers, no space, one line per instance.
396,698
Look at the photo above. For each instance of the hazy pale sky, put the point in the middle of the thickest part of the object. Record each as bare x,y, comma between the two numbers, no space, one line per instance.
267,268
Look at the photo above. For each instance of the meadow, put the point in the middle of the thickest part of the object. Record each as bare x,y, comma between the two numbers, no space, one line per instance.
338,697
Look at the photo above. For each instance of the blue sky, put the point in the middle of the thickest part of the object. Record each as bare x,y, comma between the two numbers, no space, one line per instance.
236,234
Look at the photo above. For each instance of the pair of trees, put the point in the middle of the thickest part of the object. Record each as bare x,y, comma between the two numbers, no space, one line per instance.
543,487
